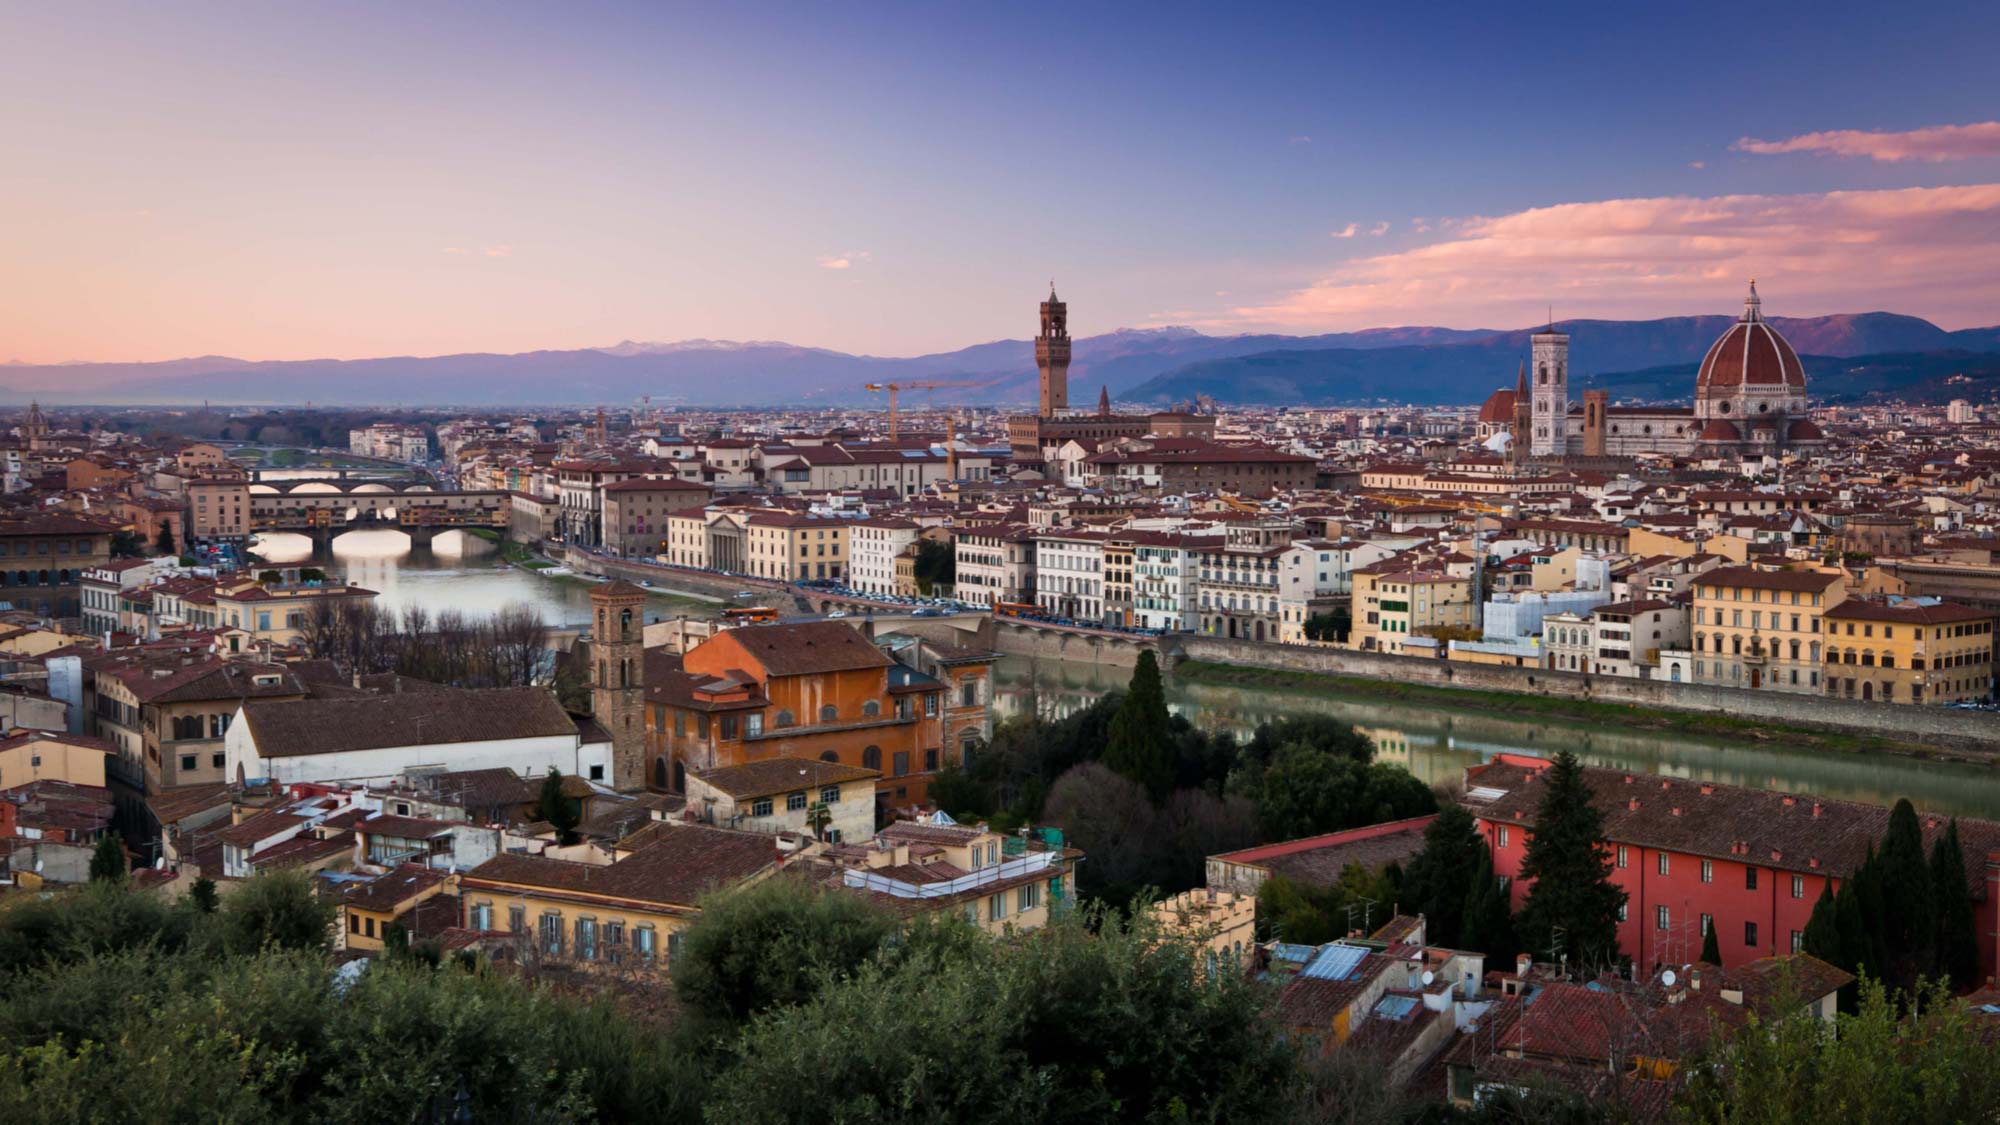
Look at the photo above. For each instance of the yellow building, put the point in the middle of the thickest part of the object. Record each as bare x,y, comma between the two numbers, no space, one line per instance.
795,546
43,756
630,911
368,910
916,867
218,507
1222,923
276,613
1390,605
1908,650
1760,629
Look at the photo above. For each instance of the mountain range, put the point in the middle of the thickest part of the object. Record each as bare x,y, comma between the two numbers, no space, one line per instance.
1860,354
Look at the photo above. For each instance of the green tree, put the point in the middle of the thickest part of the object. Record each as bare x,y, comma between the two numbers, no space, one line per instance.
125,545
202,894
1822,932
1711,949
1909,920
1439,879
1957,932
559,811
773,945
277,909
163,543
1571,899
937,564
1488,925
1288,910
1139,743
1307,791
107,861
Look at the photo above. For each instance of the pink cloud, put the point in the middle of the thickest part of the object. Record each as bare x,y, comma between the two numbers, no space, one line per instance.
1936,143
1348,231
1927,251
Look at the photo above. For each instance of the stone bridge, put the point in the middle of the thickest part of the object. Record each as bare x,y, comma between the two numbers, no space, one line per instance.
323,509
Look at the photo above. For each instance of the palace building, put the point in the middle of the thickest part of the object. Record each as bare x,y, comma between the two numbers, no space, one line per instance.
1749,401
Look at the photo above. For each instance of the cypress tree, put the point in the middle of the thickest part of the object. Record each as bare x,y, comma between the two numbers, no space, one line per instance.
1856,955
1487,926
1865,945
1711,951
1440,878
1570,871
1957,934
1139,743
1822,934
1909,909
558,810
107,862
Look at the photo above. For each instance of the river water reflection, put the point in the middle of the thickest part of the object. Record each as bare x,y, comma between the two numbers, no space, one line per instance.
458,571
1437,743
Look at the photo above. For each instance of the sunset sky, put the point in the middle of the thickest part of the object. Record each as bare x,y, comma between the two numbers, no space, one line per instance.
278,181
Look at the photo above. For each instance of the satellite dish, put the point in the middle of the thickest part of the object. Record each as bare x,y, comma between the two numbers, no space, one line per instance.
1429,976
1668,978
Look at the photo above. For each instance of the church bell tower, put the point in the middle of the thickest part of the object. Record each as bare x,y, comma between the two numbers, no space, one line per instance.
1052,355
1548,372
617,680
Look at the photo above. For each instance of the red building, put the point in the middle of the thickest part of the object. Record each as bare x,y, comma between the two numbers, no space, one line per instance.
1691,854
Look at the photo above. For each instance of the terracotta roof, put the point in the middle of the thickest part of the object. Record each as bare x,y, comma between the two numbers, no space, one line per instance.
680,866
325,726
1910,613
1749,577
781,775
808,648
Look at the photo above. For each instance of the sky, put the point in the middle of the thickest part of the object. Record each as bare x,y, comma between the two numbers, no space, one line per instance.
283,181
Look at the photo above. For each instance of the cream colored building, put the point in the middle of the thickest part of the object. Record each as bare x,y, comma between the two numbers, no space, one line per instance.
1761,629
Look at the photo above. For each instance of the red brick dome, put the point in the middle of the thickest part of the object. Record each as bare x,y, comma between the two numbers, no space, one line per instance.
1719,430
1499,408
1752,354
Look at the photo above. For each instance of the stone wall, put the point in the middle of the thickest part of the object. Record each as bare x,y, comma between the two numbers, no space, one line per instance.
1978,729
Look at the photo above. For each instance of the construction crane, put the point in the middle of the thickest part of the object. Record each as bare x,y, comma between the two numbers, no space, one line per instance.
922,385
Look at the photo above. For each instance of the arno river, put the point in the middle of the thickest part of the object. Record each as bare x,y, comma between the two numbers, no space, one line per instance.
1437,744
464,573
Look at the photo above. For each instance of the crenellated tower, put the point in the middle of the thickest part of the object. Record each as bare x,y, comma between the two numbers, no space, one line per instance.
1052,355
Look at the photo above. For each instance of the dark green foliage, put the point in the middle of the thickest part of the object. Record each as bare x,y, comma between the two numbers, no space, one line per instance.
107,861
773,945
1711,949
1909,919
1931,1060
125,545
163,543
561,813
275,910
1822,933
1069,1026
1139,743
1332,627
1307,790
937,564
1571,899
1489,920
1957,932
1300,912
1439,879
201,895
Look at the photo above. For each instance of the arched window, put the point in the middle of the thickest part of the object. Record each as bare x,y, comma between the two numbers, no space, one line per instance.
829,756
871,758
785,718
829,713
871,710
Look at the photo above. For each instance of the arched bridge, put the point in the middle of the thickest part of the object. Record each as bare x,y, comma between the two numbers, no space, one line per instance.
327,510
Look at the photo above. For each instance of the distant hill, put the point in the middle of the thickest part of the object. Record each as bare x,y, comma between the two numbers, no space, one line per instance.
1160,365
1466,372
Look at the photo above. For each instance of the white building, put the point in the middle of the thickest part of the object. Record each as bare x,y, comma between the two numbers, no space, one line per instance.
995,564
872,548
1166,570
383,738
1069,574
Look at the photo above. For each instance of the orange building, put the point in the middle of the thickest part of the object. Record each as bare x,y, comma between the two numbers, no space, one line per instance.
816,689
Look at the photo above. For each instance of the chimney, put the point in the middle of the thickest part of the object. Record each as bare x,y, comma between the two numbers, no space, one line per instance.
1523,964
1628,779
1790,800
1665,784
1632,805
1707,789
1677,810
1816,808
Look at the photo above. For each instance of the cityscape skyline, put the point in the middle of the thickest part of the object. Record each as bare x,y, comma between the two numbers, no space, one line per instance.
282,184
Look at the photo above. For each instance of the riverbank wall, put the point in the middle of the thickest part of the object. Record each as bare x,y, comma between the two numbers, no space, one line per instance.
1976,730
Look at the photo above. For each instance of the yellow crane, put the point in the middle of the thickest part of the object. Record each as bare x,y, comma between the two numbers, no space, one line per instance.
920,385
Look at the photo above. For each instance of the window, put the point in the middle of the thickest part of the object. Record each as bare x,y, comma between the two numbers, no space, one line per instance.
187,761
1027,898
996,907
830,795
871,758
680,724
354,923
829,713
1622,912
753,724
1503,835
1622,857
728,727
1750,934
1749,878
482,916
1664,865
930,761
795,802
368,927
1798,886
968,693
701,725
517,919
760,807
1707,923
1660,917
597,773
1798,942
784,718
902,763
1707,872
